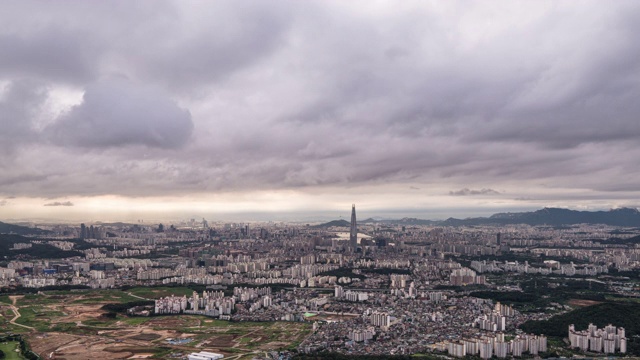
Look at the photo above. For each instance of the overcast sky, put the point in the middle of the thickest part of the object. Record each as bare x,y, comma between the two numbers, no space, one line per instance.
121,109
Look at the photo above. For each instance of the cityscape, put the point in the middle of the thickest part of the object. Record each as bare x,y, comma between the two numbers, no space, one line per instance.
356,288
321,179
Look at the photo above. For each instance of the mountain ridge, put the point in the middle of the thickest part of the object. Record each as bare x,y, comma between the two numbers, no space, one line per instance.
626,217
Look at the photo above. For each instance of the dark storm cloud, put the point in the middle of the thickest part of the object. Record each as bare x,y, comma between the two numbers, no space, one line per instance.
470,192
29,178
210,42
49,53
225,96
18,106
117,113
58,203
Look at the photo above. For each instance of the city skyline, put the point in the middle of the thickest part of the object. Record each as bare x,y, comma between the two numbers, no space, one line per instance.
291,111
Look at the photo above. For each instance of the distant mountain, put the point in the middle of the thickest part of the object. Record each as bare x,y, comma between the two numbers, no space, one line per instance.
20,230
368,221
555,217
118,224
410,221
403,221
626,217
334,223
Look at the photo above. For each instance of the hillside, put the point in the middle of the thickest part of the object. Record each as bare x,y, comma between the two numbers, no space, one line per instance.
20,230
620,314
37,251
548,216
555,216
334,223
409,221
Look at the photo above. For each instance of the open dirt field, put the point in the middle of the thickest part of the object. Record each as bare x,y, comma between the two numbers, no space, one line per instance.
77,313
73,326
72,347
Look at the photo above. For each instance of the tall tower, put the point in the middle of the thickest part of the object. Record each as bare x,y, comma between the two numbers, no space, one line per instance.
353,237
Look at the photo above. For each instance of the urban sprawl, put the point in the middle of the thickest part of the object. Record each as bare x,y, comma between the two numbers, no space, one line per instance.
366,288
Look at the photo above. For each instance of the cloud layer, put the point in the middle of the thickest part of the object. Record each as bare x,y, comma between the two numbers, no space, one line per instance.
115,114
468,192
58,203
183,99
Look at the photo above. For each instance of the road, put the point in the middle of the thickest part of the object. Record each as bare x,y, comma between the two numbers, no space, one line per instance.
139,297
16,312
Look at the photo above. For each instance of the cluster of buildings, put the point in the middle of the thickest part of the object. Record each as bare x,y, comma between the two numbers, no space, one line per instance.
361,335
465,276
401,325
497,319
608,340
350,295
488,346
380,319
214,303
551,267
211,304
492,322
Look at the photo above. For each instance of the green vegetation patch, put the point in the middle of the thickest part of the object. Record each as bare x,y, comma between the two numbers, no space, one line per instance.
36,300
44,251
104,296
539,292
9,351
506,297
626,315
37,317
123,307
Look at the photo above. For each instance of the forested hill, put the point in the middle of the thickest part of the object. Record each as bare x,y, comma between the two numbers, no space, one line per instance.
556,217
36,251
620,314
335,223
20,230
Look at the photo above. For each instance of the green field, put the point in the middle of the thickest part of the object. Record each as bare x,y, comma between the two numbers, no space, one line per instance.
38,317
9,350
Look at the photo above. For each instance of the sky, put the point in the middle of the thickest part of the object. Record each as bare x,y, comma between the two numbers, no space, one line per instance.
293,109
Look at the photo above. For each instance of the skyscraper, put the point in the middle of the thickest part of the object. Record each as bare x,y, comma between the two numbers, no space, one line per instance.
353,237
